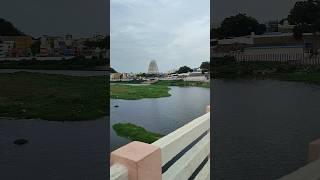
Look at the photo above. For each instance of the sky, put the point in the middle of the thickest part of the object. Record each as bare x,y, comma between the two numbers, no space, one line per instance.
172,32
263,10
57,17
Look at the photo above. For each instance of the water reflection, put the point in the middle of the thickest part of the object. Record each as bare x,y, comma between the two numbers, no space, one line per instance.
161,115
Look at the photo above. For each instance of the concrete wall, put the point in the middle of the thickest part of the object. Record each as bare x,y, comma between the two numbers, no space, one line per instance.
196,78
283,54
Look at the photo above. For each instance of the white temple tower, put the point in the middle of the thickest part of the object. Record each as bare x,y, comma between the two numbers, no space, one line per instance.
153,68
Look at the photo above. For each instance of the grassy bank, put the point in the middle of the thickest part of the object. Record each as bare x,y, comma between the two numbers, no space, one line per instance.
131,92
72,64
135,133
182,83
313,78
228,68
52,97
156,90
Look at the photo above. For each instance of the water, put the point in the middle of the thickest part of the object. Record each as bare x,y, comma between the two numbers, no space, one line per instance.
56,150
161,115
262,128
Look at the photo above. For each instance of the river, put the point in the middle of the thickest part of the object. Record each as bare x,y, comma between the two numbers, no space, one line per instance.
161,115
56,150
262,128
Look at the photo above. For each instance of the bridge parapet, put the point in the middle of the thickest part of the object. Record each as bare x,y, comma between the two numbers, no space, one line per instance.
182,154
312,170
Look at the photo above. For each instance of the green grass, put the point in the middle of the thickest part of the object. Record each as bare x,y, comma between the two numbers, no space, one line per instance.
53,97
228,68
182,83
131,92
135,133
156,90
313,78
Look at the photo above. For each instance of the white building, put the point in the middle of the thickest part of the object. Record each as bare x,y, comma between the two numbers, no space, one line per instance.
239,40
5,47
2,49
153,67
274,46
68,40
285,27
197,76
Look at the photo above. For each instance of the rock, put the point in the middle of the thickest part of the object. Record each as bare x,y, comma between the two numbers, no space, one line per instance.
20,141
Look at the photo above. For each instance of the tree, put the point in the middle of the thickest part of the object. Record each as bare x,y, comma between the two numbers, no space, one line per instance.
205,66
112,70
7,29
305,16
35,47
238,25
283,20
184,69
102,44
299,29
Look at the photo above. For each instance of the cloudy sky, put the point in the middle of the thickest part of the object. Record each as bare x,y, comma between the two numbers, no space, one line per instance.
58,17
263,10
172,32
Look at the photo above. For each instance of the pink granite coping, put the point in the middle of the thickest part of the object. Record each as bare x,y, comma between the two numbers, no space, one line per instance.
208,109
314,150
142,160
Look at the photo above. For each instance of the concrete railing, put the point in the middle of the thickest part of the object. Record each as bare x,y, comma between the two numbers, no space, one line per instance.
182,154
312,170
118,172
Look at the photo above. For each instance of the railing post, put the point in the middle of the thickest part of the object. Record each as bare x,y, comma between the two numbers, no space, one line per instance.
142,160
118,172
208,109
314,150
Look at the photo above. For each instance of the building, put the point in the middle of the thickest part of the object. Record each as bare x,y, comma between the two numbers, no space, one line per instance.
280,47
223,47
285,27
68,40
97,37
18,46
272,46
272,26
20,42
56,46
2,49
115,76
278,39
119,76
153,68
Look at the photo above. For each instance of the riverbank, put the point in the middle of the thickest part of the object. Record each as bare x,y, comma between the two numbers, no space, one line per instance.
312,78
157,90
130,92
84,73
228,68
135,133
182,83
26,95
68,64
